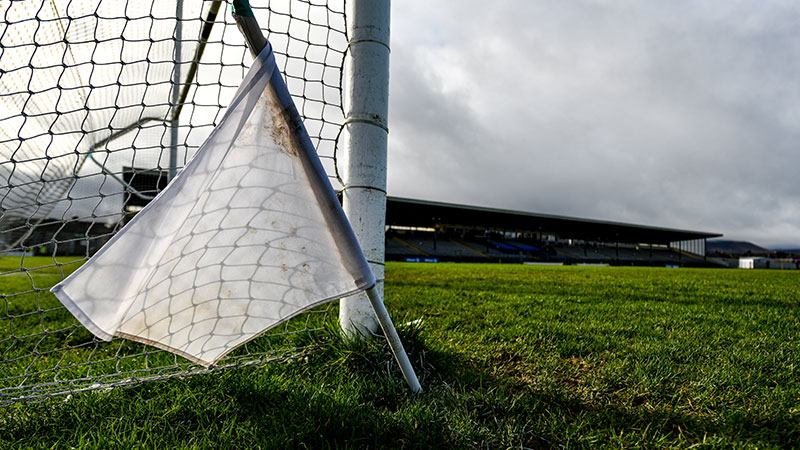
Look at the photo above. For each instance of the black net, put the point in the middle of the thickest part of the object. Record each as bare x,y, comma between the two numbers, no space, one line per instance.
101,103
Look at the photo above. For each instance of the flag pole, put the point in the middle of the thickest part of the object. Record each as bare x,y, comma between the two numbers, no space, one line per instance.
394,339
256,41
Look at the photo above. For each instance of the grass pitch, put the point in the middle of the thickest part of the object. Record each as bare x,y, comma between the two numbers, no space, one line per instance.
509,357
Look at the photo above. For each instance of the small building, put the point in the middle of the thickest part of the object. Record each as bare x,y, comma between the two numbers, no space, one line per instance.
751,262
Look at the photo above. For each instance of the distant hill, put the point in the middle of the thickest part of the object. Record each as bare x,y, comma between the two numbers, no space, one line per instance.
734,248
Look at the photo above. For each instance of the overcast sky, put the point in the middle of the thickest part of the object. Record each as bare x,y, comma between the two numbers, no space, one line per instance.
682,114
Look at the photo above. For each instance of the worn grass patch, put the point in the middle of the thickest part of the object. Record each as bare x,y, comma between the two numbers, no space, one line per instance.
509,356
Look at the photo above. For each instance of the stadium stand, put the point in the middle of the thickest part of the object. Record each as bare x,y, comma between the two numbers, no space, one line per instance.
449,232
428,231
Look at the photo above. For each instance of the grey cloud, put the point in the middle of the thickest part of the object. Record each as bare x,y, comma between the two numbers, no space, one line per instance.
679,114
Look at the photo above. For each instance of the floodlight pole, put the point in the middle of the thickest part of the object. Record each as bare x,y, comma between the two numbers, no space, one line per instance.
363,162
247,24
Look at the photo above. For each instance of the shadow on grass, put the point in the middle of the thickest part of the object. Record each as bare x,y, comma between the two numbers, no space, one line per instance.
501,409
343,394
350,394
555,415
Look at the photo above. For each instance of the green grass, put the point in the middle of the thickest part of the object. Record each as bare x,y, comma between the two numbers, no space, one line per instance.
509,357
44,349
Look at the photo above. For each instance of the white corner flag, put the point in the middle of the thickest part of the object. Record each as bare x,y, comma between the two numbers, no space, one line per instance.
247,236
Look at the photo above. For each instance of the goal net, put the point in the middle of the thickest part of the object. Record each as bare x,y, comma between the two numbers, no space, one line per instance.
101,103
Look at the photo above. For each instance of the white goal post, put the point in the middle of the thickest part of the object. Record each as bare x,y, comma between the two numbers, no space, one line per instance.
363,167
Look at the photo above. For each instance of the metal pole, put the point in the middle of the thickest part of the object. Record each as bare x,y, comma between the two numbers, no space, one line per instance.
394,340
176,89
205,34
363,165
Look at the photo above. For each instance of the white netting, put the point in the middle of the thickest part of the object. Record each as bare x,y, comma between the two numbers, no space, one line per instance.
95,115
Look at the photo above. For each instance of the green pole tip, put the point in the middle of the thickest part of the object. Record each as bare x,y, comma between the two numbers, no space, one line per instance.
242,8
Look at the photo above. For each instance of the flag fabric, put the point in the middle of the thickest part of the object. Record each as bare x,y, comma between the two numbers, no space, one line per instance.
247,236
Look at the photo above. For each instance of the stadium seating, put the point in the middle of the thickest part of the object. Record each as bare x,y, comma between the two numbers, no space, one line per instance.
413,245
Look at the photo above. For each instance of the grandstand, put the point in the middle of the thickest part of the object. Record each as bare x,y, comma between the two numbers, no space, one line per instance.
419,230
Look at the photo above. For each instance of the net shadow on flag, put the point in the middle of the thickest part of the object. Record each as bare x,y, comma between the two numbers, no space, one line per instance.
247,236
